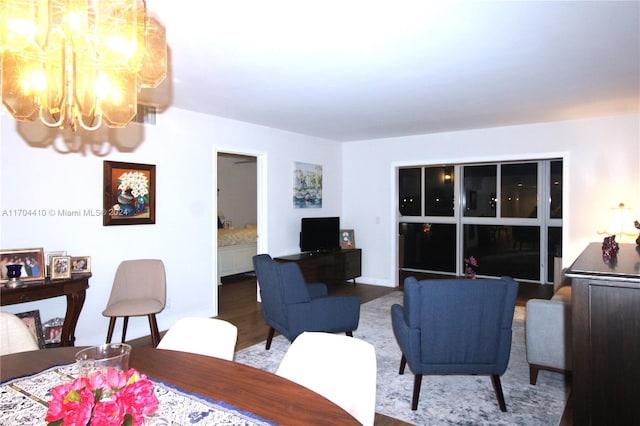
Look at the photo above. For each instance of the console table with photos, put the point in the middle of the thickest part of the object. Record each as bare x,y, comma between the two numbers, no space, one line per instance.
332,268
73,288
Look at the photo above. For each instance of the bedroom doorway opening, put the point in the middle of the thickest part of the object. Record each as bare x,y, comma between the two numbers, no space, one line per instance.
237,204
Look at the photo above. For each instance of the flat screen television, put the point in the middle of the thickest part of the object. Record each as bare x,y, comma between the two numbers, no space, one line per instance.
319,234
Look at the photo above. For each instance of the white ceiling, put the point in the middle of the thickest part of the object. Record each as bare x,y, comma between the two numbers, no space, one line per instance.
353,69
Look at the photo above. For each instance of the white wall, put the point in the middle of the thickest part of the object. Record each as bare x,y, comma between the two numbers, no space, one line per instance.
601,170
183,147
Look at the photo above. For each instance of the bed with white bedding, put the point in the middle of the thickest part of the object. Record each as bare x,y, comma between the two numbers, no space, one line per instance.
236,248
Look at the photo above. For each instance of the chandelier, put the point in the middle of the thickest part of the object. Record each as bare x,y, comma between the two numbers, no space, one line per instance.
77,63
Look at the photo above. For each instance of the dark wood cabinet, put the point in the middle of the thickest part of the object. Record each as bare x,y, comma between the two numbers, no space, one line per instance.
606,337
331,268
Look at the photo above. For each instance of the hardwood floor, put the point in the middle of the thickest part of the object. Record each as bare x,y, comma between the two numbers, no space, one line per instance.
238,305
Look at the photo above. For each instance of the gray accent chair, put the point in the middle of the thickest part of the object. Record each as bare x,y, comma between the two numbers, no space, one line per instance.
139,289
548,334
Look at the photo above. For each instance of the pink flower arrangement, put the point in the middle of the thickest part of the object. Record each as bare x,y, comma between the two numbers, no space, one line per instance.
112,398
470,265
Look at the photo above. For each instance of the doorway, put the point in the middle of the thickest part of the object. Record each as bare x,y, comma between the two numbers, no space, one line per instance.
240,195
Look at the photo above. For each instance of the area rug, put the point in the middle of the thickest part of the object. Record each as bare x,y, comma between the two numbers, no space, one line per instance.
444,400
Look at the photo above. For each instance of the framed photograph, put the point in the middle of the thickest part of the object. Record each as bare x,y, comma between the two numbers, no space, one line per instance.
80,264
60,267
48,256
32,320
129,194
30,259
347,239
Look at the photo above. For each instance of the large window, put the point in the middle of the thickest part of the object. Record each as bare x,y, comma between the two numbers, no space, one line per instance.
507,215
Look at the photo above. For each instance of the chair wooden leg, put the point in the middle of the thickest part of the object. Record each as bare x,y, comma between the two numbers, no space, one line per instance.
124,329
349,333
403,364
112,324
272,331
497,386
417,383
533,374
155,333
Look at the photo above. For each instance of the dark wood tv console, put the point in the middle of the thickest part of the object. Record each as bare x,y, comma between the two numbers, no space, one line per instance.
335,267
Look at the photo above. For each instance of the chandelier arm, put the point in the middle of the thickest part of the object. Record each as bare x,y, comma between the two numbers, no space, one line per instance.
48,124
90,128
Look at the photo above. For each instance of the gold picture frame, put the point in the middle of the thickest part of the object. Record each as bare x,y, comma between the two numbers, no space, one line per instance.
60,267
347,239
80,264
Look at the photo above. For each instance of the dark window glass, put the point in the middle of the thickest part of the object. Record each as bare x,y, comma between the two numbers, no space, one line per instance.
554,249
409,190
504,250
428,246
438,191
519,190
479,191
555,211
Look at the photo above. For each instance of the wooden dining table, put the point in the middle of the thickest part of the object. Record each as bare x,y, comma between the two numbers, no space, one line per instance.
261,393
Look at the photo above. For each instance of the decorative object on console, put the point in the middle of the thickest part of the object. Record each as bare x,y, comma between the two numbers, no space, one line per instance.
30,261
13,273
609,248
129,193
307,185
637,225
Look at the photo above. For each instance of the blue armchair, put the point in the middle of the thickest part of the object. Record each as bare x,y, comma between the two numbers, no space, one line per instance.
292,306
455,326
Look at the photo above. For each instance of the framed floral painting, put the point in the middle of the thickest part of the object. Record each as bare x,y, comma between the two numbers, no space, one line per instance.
129,193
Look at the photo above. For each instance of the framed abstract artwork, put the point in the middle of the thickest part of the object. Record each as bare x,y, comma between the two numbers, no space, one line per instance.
307,185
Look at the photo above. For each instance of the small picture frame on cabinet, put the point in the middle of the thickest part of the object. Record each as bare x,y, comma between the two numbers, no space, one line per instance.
60,267
50,255
347,239
80,264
